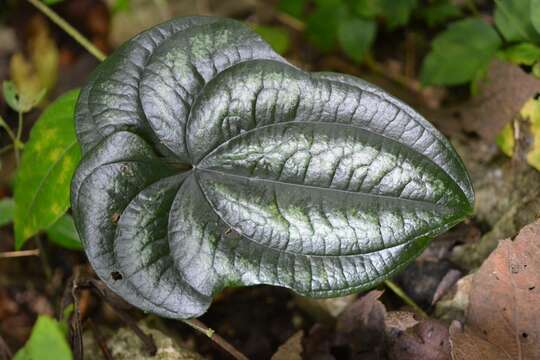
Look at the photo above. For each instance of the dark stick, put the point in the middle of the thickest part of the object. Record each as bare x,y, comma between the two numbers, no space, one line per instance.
218,340
71,297
44,258
100,341
147,340
103,292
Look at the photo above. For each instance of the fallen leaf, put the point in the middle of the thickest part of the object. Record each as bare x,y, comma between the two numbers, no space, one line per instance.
399,320
505,296
529,136
429,339
465,344
361,325
291,349
502,94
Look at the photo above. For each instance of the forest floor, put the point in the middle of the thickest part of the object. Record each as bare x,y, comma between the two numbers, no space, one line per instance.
477,286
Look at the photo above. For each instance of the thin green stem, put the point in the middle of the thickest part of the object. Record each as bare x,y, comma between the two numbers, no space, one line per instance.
19,126
10,133
6,148
54,17
403,296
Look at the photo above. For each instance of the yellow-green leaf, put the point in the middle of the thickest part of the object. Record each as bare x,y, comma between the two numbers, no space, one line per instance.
47,165
531,115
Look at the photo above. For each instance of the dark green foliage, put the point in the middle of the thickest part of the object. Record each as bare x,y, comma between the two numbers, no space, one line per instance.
460,53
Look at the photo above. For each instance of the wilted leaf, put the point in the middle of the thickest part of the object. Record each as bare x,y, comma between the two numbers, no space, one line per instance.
513,19
47,342
20,102
458,54
356,36
49,159
291,349
530,121
64,233
247,170
504,305
7,207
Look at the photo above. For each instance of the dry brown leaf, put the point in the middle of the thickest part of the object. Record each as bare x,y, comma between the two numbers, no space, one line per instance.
502,95
429,339
465,345
399,320
505,296
291,349
361,325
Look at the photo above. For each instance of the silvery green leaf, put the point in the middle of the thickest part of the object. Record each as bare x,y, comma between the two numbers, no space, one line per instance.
209,161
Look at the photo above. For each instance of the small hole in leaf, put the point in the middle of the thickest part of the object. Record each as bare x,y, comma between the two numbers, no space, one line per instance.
116,276
532,287
524,335
114,217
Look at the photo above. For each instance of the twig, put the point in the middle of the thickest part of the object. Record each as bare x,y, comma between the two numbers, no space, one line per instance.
74,33
17,254
100,341
76,337
218,340
290,21
103,292
44,259
5,351
6,148
402,80
147,340
403,296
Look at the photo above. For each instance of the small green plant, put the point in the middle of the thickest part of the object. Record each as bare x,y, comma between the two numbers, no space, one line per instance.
353,24
246,170
462,53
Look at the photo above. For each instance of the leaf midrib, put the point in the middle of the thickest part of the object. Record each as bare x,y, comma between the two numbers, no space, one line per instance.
425,204
356,127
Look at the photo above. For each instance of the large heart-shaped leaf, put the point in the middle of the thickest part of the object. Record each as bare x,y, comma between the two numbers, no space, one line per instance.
209,161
